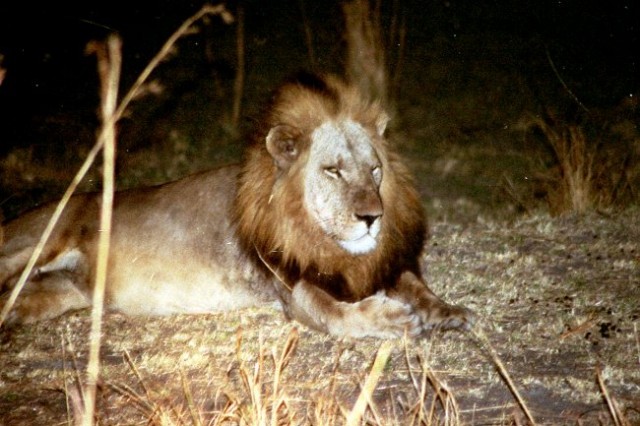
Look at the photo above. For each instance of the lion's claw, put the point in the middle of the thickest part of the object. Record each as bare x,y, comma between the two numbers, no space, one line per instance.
450,317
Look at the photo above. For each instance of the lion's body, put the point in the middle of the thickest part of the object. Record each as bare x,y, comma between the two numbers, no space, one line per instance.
169,254
323,217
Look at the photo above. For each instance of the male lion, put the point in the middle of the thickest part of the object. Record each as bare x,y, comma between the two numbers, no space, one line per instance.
321,215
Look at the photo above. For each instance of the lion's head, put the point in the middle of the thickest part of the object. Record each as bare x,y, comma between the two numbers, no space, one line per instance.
341,180
322,190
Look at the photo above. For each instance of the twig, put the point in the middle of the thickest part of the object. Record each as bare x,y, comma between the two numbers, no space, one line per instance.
618,419
109,64
370,383
503,372
578,329
188,395
273,271
553,67
635,332
238,85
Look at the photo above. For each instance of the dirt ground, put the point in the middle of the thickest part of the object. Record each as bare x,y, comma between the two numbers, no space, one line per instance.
557,299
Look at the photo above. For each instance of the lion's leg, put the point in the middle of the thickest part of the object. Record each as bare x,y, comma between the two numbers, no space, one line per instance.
46,296
433,312
375,316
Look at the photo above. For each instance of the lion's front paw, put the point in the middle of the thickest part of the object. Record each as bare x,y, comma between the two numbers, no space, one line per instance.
378,316
448,317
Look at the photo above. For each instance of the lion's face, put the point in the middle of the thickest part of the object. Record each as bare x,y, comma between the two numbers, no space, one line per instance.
342,180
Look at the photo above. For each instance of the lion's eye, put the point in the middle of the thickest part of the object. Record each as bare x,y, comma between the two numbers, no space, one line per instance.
376,172
333,172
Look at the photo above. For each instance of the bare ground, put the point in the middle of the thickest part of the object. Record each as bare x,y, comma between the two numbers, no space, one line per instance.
558,298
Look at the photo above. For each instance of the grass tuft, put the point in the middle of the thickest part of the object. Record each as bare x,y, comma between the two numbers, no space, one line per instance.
583,176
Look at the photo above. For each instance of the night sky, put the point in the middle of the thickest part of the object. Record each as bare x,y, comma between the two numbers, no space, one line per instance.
594,44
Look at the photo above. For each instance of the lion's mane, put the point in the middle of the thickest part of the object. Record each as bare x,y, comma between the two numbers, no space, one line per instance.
270,213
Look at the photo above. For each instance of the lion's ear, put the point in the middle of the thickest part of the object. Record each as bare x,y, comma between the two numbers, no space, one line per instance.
381,123
282,144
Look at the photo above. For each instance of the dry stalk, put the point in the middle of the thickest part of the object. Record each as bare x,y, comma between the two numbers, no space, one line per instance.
327,410
64,383
143,402
133,367
443,397
635,332
280,364
193,411
484,343
576,167
238,85
566,87
267,406
109,64
617,417
74,396
109,61
161,413
252,382
365,397
135,90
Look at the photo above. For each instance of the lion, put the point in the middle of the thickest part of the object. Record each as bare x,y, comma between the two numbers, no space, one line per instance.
321,216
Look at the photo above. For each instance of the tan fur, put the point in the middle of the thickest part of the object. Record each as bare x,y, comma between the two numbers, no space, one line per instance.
241,236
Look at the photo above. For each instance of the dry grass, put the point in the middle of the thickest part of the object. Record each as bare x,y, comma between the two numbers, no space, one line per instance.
264,395
555,300
109,64
584,176
260,402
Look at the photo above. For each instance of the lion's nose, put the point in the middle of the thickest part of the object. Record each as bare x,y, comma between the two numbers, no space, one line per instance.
368,206
368,218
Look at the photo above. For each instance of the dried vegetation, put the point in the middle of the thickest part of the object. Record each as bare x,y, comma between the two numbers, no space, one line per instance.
585,172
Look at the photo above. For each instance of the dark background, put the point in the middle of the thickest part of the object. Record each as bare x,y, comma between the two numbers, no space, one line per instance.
503,52
594,44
